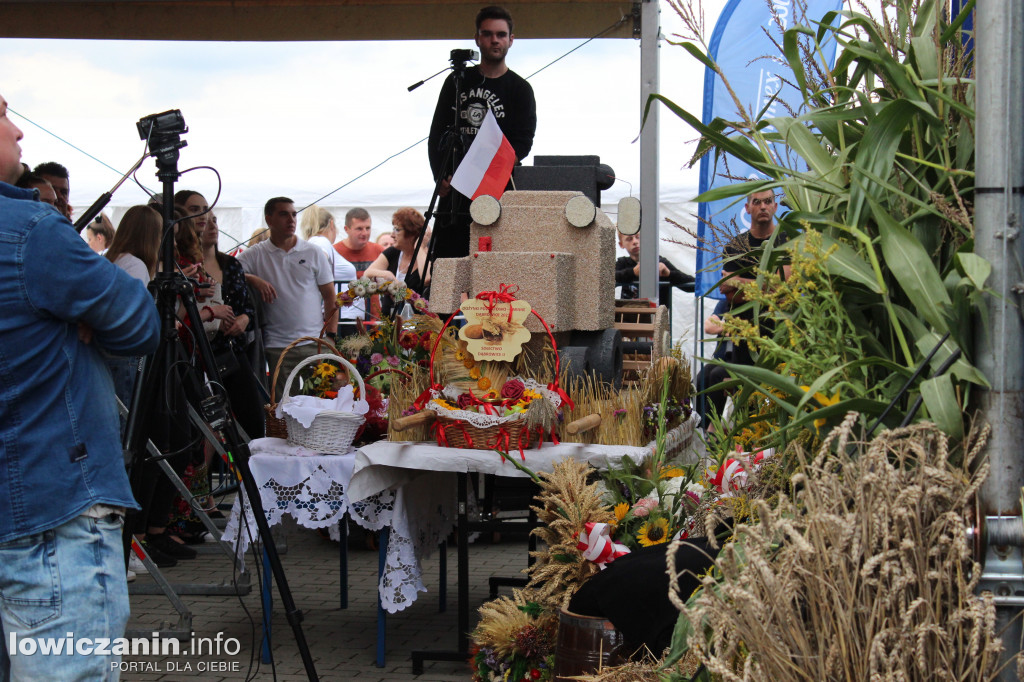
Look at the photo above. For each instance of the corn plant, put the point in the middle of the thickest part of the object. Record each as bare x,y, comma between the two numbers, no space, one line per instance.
884,197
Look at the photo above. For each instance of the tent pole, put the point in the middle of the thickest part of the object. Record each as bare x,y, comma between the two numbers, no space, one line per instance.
999,70
650,33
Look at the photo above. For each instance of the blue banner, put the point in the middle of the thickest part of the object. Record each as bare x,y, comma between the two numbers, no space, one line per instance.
741,44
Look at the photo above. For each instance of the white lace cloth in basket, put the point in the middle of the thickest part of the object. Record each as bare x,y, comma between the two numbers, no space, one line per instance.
311,488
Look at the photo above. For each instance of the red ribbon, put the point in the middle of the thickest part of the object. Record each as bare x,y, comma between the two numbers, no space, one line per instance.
501,440
553,386
504,294
424,398
440,432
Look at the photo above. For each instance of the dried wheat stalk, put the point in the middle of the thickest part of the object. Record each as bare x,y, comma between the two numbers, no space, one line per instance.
864,573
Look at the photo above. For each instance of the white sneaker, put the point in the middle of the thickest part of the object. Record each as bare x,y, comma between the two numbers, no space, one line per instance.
130,575
135,565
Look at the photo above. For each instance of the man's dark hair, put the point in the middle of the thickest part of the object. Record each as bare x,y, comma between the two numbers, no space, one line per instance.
272,204
494,12
356,214
52,168
28,180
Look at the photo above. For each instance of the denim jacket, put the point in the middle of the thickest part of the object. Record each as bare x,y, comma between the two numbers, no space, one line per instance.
60,449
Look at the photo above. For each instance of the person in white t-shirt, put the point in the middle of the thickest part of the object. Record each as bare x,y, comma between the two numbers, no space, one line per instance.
296,282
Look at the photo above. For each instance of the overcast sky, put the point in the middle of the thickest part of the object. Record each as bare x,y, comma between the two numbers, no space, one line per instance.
301,119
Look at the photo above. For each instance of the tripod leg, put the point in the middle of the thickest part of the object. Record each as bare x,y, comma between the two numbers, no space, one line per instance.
268,608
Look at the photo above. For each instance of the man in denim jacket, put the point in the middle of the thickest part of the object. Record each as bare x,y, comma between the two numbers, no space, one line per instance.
63,487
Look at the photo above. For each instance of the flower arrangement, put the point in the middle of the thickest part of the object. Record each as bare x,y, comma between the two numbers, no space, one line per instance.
511,399
515,641
676,412
362,288
325,380
387,346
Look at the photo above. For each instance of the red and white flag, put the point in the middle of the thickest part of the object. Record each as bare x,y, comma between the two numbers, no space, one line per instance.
487,166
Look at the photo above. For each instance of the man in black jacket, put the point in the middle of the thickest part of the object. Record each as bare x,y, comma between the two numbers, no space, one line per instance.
490,85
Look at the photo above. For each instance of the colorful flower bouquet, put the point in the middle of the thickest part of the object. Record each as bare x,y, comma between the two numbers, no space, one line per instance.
365,287
514,642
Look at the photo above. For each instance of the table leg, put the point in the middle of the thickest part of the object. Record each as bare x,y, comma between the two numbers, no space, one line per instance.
462,642
442,578
382,623
343,560
268,607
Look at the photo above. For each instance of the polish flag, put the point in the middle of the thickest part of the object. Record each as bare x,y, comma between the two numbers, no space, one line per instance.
488,164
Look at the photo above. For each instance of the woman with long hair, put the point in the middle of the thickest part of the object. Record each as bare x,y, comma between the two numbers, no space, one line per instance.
136,243
228,338
318,227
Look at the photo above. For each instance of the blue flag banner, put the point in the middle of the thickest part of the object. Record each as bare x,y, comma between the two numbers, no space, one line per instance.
740,45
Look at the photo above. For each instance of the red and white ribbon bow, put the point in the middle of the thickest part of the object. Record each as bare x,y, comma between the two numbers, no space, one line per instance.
596,544
730,477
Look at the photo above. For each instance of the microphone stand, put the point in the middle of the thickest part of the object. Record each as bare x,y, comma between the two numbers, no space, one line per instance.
105,198
454,151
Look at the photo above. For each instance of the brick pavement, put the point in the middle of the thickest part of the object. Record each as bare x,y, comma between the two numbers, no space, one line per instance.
342,642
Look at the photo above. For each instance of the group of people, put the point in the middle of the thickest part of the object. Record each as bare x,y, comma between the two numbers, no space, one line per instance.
76,324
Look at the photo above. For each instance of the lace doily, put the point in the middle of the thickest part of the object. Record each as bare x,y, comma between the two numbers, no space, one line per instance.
312,491
479,419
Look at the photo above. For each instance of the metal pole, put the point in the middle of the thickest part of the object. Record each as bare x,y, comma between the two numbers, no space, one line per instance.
650,34
999,70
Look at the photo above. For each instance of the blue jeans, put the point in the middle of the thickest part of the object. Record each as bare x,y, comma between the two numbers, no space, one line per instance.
68,582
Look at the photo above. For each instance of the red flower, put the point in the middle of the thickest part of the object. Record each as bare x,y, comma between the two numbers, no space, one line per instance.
464,401
408,340
513,390
427,341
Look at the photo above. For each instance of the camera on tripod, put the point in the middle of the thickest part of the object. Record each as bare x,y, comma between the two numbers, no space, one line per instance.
163,131
458,58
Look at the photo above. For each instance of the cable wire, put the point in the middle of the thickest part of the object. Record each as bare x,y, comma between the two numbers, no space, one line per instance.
622,20
52,134
612,27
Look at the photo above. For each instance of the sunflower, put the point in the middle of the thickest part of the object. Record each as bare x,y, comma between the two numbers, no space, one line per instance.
653,533
474,373
460,356
325,371
621,509
671,472
824,401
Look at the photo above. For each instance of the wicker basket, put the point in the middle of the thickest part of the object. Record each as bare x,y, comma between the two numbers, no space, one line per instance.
506,436
275,426
513,435
331,432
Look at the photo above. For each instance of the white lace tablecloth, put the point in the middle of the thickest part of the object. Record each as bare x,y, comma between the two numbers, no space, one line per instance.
311,488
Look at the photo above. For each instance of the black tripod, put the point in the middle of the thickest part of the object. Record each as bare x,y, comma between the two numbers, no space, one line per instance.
454,206
150,408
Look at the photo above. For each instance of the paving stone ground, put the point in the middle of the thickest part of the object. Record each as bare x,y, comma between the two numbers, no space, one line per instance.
342,642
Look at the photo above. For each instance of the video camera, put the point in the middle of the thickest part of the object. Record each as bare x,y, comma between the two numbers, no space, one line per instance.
458,58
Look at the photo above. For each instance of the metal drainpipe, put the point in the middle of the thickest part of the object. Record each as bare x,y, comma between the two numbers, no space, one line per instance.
999,70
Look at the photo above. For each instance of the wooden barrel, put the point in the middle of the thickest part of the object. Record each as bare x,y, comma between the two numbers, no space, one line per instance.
586,644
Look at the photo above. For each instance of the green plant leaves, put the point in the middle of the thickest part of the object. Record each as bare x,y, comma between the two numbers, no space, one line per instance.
913,268
943,409
843,261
